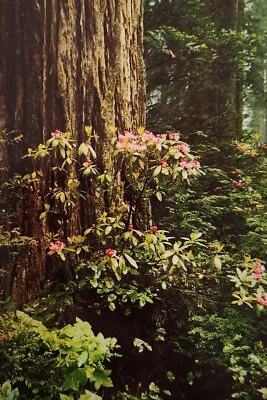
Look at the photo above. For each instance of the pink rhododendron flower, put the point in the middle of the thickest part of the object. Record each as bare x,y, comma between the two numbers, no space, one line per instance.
154,228
239,184
163,163
130,227
130,142
183,163
158,139
122,143
149,138
56,246
121,138
111,253
87,162
138,142
137,148
189,164
196,164
148,135
263,146
258,270
183,147
56,134
257,277
262,299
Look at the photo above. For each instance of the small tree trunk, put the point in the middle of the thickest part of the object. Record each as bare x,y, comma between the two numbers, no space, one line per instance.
228,104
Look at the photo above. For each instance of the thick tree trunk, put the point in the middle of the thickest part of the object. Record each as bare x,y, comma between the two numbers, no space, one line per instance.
67,64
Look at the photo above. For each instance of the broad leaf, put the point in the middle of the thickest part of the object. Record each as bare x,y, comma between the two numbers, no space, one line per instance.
102,378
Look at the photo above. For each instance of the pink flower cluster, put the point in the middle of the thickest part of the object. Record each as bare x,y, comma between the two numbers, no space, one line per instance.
258,270
56,246
183,147
163,163
137,142
154,228
174,149
57,134
263,146
262,299
239,184
189,164
87,163
111,253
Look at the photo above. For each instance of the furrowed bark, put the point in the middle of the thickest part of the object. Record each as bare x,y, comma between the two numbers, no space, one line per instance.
65,65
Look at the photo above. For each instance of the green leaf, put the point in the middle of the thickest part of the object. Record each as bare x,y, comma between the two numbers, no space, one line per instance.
167,392
83,149
114,266
184,174
89,372
175,259
263,391
62,197
167,254
154,388
87,171
82,358
62,256
62,151
159,196
112,306
76,379
54,143
108,230
141,345
157,171
164,285
89,396
217,263
170,376
65,397
141,163
102,378
6,388
131,260
42,215
88,129
195,235
122,265
92,151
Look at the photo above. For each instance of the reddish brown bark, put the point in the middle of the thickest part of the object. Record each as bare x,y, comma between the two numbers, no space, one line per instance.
66,64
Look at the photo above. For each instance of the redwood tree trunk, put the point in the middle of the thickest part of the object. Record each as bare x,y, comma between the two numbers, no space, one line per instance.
66,64
228,98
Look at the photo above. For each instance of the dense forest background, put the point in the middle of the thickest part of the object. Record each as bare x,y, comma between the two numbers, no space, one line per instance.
133,199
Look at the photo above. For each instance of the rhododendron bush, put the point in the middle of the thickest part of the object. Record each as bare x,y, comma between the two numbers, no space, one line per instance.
115,248
120,264
148,164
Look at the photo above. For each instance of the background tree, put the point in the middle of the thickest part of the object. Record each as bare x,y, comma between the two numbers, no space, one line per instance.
209,56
